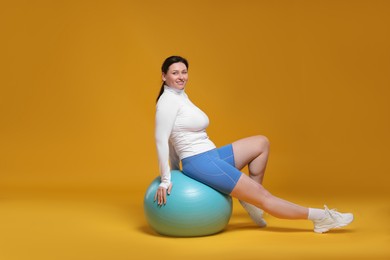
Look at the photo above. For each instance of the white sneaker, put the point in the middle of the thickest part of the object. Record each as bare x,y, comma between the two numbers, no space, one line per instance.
255,213
332,219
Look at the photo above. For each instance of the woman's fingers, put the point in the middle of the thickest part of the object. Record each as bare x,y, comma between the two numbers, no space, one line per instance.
161,192
169,188
164,197
161,195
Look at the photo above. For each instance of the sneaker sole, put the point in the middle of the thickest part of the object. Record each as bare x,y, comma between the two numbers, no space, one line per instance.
326,229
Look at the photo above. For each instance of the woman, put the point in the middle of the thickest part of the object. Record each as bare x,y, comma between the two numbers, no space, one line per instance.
180,136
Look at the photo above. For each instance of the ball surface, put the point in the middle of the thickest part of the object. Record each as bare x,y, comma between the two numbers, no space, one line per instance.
192,208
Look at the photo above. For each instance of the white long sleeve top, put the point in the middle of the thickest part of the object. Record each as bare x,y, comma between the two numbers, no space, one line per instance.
180,131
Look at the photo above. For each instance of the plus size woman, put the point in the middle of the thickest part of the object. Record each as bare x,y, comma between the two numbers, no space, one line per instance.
180,134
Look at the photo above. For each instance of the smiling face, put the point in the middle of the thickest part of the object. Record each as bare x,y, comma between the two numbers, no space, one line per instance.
177,76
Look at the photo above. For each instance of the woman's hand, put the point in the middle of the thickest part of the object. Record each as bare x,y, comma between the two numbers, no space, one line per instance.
161,195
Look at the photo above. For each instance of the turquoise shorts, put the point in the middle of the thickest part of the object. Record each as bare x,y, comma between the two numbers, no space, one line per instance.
215,168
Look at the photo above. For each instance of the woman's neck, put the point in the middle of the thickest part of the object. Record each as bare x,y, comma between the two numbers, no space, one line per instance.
175,90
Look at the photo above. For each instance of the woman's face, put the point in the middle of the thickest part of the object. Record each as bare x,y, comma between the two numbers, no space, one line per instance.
177,76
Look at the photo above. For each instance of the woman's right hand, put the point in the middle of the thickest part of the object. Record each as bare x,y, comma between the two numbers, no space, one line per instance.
161,195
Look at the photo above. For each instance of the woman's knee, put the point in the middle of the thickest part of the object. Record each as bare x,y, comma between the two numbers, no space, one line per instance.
264,198
262,142
252,192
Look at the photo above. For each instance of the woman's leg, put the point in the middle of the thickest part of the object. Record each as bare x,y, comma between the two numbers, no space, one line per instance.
220,174
247,189
252,151
254,193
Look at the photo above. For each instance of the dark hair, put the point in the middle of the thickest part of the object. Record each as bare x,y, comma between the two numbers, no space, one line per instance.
165,67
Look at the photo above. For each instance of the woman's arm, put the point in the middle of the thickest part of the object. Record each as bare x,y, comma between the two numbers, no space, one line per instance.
166,112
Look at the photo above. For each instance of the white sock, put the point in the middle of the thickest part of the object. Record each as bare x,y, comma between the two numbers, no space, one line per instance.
255,213
316,214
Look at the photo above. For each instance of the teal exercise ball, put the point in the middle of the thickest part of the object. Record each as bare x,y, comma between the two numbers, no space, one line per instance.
192,208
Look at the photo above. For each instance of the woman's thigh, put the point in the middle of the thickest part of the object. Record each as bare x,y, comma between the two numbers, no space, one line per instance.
247,149
250,191
212,171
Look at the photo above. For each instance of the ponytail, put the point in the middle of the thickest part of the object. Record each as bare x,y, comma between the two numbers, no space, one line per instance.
161,91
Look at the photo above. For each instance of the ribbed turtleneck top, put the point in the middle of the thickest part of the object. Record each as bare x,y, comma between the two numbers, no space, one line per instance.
180,131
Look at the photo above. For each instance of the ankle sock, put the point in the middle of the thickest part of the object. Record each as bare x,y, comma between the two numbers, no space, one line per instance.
255,213
316,214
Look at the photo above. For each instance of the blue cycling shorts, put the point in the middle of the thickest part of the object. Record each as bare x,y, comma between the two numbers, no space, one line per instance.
215,168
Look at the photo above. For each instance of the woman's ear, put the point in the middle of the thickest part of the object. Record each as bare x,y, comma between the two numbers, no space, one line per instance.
163,76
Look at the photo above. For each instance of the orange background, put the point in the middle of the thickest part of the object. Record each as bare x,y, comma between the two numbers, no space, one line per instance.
78,83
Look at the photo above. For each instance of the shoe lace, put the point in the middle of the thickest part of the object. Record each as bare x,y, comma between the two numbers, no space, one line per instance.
333,213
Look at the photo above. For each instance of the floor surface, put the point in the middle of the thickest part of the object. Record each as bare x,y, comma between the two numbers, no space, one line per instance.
111,225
